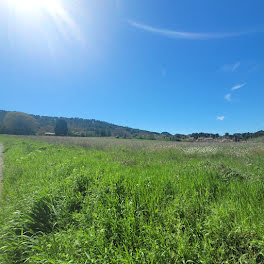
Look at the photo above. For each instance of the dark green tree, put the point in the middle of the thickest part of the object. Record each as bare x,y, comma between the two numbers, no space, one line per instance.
61,128
19,123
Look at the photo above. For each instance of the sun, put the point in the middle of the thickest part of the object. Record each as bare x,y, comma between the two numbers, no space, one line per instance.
44,18
33,6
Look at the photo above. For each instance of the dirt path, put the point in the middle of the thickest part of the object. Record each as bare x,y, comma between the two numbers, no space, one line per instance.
1,164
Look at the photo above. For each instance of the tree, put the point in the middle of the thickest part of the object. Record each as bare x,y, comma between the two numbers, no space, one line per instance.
61,128
19,123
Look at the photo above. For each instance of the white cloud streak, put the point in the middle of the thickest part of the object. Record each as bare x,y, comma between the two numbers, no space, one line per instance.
221,118
228,97
230,67
186,35
236,87
235,66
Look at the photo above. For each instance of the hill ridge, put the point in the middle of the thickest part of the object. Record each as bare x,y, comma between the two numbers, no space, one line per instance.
95,128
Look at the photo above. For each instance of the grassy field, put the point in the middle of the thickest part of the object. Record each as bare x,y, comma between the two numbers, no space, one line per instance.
125,201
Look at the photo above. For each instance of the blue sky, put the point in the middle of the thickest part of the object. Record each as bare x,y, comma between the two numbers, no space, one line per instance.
171,65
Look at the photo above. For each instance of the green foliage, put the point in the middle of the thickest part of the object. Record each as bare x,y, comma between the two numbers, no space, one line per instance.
61,128
85,128
78,127
186,204
19,123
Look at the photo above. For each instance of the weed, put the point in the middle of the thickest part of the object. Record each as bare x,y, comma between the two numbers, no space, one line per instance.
101,201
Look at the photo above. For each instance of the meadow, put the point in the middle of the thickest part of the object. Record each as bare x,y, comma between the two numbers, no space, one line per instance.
86,200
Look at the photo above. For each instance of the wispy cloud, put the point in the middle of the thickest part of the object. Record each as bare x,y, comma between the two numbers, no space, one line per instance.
235,66
221,118
230,67
236,87
186,35
228,97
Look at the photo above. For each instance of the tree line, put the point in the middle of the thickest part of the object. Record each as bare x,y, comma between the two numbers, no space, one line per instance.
19,123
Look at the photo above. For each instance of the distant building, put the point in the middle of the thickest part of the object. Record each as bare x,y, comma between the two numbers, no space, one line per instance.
204,139
49,134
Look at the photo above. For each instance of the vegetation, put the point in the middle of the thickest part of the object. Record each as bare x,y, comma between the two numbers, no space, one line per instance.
83,128
160,203
19,124
78,127
61,128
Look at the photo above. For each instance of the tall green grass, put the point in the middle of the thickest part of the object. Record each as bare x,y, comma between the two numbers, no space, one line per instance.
67,204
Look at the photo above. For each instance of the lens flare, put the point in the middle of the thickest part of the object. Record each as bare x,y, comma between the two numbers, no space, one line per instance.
31,6
39,14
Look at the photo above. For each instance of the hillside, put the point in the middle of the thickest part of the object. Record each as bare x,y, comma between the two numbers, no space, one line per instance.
94,128
87,127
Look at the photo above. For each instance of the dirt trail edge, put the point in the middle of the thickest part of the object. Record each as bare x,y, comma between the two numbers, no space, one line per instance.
1,165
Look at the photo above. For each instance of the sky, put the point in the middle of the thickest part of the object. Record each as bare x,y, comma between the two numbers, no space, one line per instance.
164,65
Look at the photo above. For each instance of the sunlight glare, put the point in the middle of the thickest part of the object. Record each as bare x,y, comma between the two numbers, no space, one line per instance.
42,12
31,6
